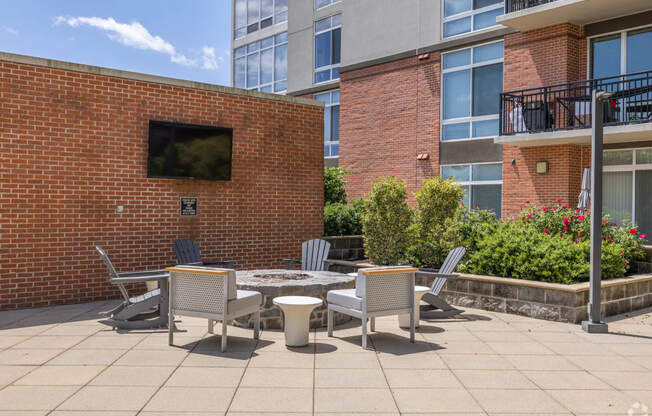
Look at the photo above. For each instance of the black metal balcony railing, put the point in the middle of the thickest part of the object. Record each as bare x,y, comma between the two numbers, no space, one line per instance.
568,106
516,5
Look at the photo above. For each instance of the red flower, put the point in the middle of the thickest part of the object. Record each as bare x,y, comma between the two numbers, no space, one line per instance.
547,231
554,208
632,231
545,208
566,221
581,218
462,203
527,202
565,228
643,236
565,206
575,239
577,211
611,240
580,234
614,223
559,200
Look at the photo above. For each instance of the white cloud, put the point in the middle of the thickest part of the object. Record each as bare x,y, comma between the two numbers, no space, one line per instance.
209,59
10,30
130,34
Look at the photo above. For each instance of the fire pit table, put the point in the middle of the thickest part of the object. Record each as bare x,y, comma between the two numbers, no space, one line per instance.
274,283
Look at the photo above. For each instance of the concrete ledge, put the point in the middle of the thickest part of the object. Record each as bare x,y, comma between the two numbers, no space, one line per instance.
137,76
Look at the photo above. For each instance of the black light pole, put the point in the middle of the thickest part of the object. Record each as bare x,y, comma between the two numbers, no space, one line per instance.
595,324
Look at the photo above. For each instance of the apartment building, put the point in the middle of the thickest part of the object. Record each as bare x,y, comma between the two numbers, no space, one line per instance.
493,93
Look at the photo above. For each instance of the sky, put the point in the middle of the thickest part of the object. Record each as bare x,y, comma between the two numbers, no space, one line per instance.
187,39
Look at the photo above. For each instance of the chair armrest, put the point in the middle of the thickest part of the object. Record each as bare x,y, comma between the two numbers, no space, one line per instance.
290,262
445,275
227,264
140,277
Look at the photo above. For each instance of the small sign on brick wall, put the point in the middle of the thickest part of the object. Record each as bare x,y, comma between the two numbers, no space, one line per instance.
188,206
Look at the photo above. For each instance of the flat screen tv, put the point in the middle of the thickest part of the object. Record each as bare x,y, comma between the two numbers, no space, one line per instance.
188,151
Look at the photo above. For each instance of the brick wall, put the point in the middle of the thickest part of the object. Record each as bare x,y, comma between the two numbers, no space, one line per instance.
552,55
73,146
389,114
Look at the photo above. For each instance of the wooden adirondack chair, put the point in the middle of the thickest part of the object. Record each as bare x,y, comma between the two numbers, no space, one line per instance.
433,297
187,252
314,254
135,312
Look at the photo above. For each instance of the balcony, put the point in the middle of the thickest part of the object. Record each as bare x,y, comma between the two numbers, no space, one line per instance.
524,15
561,114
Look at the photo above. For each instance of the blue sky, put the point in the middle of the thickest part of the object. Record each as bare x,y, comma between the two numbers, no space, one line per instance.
188,39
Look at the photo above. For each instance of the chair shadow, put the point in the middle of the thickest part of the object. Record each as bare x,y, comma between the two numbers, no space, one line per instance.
54,315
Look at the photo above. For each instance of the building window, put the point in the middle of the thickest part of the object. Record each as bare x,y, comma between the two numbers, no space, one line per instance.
253,15
262,65
472,81
482,184
620,53
323,3
331,100
627,187
328,39
463,16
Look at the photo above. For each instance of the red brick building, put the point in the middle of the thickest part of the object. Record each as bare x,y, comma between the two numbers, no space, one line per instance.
73,174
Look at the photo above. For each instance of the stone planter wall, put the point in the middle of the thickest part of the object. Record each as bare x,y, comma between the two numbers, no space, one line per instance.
554,302
346,247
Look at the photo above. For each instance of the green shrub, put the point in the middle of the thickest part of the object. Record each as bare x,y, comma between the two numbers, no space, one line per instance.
386,222
437,202
343,219
334,192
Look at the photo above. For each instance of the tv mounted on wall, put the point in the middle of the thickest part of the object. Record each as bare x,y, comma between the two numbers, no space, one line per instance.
188,151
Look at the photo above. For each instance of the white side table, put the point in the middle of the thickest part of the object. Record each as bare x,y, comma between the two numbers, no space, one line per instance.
297,310
404,319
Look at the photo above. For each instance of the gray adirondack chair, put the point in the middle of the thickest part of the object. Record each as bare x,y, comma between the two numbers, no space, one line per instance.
187,252
433,297
314,254
379,291
136,312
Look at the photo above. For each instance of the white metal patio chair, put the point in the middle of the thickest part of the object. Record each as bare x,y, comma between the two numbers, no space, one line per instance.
210,293
379,291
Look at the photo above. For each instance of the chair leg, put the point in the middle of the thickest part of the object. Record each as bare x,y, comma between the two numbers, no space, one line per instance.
364,332
256,324
372,324
223,335
170,328
412,326
211,325
329,323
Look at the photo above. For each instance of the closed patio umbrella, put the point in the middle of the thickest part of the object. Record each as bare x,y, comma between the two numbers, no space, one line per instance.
584,199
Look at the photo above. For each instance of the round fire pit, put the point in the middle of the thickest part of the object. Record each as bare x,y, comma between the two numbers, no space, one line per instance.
273,283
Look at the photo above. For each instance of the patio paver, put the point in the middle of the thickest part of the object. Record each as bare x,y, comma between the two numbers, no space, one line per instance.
62,362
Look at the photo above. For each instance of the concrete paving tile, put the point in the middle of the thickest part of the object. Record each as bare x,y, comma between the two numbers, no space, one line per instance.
476,362
111,342
626,380
493,336
190,399
15,398
558,380
274,359
644,361
349,378
160,342
73,330
363,401
543,362
449,336
447,401
60,375
493,379
85,413
605,363
631,349
512,401
25,413
19,356
87,357
577,348
278,377
51,341
31,330
146,358
593,401
418,378
205,377
417,361
7,341
330,345
102,398
217,359
133,376
234,343
465,347
519,348
272,400
10,373
347,360
555,337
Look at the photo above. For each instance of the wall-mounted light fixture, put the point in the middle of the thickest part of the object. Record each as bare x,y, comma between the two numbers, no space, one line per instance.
542,167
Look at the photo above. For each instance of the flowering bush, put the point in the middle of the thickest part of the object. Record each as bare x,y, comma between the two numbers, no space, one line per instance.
549,244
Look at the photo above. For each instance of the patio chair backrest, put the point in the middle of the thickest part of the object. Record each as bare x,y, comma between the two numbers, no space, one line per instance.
386,288
448,267
313,254
112,272
187,251
199,290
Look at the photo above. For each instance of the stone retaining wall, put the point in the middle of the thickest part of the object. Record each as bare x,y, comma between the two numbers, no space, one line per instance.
346,247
